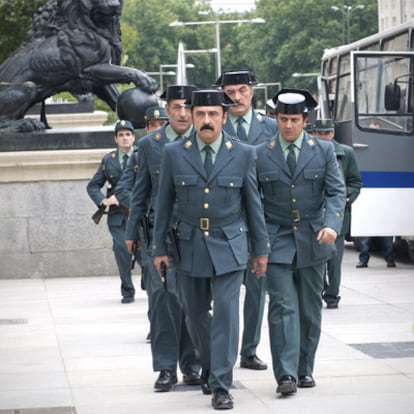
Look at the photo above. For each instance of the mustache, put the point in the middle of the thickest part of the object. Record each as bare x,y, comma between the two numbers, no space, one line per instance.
206,127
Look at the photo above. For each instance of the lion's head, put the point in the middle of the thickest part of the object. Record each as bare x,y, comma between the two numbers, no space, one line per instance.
101,16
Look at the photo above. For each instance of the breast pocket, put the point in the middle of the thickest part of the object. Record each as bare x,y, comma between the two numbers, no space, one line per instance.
230,186
269,181
317,179
183,186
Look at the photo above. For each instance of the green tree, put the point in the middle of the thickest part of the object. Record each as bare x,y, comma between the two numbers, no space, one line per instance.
295,35
15,19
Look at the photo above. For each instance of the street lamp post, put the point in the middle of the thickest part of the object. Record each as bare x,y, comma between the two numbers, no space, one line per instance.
188,65
217,24
346,17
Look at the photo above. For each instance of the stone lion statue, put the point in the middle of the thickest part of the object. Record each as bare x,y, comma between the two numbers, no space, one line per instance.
73,46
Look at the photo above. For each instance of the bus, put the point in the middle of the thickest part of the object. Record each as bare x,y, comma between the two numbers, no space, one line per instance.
367,88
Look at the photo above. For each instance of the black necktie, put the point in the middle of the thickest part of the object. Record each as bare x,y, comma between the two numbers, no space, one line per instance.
241,132
291,158
208,160
124,161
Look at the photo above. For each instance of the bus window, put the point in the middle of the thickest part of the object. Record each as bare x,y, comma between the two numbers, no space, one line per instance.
373,76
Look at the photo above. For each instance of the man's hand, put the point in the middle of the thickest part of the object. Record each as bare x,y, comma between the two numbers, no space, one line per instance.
326,236
130,245
110,201
259,266
157,263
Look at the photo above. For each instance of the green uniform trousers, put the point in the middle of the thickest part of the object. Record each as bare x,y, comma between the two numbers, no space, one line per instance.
294,317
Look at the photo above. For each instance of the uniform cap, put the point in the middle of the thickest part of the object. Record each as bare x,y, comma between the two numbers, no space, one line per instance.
270,105
236,77
155,112
323,125
209,97
294,101
123,124
178,92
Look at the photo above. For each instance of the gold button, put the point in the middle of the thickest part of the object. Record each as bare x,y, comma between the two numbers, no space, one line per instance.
206,233
182,182
206,205
338,214
295,228
157,171
293,186
241,229
267,178
206,190
293,200
231,184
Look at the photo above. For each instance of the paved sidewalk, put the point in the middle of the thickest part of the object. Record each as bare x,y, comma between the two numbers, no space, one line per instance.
69,346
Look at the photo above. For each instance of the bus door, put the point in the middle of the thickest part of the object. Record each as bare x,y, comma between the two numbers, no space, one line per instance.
383,140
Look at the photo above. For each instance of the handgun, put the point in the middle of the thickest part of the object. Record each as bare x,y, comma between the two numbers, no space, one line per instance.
164,276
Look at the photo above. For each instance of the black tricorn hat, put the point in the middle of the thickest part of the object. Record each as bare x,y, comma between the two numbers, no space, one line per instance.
236,77
294,101
209,97
178,92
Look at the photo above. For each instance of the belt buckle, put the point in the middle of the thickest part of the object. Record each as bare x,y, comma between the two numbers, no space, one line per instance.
204,223
295,216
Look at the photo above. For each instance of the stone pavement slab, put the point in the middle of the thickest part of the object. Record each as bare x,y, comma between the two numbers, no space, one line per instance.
68,346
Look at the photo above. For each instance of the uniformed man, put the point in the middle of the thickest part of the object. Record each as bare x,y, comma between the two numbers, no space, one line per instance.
110,171
304,200
170,341
324,129
213,180
252,127
155,118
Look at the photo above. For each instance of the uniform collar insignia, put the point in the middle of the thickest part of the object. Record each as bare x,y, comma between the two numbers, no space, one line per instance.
229,145
135,168
259,117
157,136
113,155
188,144
311,142
272,144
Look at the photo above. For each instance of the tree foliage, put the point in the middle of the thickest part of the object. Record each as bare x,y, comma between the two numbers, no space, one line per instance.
292,40
15,19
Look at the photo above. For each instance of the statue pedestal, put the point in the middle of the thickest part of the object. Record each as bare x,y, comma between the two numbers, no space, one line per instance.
84,119
45,211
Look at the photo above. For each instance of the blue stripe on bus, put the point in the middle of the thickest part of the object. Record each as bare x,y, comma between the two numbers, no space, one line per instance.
387,179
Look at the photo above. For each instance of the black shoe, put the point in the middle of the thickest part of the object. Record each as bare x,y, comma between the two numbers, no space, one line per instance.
222,400
127,299
286,385
166,381
391,263
252,362
191,378
332,305
306,381
360,265
205,387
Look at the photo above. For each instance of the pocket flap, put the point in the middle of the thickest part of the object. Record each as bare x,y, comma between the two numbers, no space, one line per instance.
234,229
184,231
185,180
269,176
318,174
230,182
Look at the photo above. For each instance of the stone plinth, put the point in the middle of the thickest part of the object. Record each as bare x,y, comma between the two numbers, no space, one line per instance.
45,211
